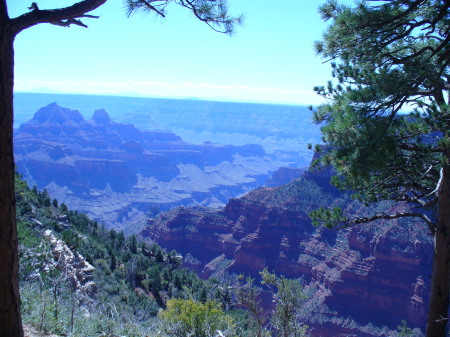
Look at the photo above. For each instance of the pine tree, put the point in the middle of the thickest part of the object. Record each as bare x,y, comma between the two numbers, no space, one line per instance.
203,295
288,295
113,263
388,57
133,244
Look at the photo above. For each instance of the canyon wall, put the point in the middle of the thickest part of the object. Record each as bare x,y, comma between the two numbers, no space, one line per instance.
361,277
117,173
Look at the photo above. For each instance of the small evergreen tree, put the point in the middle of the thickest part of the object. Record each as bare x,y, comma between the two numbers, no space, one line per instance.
113,263
133,244
64,208
288,296
247,295
45,198
203,296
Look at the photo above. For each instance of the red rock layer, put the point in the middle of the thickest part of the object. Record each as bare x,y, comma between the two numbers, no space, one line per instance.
378,273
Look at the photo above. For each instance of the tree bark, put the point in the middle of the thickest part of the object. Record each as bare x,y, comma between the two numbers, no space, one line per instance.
10,319
440,279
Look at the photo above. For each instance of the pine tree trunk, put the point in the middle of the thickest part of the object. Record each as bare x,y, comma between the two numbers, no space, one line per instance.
10,319
440,280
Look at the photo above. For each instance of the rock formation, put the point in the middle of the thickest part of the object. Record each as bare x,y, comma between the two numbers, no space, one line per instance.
373,274
285,175
74,268
116,173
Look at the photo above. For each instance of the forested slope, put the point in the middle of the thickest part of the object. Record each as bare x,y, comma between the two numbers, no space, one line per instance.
78,277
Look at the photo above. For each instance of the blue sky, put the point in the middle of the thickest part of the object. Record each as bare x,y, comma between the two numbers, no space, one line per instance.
269,59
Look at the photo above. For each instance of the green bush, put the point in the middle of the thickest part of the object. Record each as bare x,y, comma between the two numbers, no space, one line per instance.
184,318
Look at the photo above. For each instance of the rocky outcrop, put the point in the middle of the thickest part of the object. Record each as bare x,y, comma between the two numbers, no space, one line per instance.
374,274
74,268
285,175
116,173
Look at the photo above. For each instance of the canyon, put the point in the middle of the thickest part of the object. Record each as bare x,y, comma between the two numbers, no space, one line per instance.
362,280
233,208
117,173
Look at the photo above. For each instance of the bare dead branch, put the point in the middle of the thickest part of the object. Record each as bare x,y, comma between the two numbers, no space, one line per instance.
384,216
438,185
68,22
33,7
62,16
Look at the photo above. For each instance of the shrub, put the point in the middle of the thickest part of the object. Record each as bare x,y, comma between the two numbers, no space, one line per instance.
184,318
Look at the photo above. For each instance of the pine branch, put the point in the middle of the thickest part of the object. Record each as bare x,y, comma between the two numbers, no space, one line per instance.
212,12
153,8
384,216
72,21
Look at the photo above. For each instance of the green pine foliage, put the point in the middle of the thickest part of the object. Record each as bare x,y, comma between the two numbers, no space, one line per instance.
387,59
288,295
303,195
212,12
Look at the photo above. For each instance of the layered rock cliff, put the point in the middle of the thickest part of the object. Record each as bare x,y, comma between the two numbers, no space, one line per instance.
117,173
377,274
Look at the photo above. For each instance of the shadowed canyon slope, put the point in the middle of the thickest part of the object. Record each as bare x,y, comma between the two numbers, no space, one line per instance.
117,173
373,274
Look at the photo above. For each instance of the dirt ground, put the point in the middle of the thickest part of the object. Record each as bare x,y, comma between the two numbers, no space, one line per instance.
30,331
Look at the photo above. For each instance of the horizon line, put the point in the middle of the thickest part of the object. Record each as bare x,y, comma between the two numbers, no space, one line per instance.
189,98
